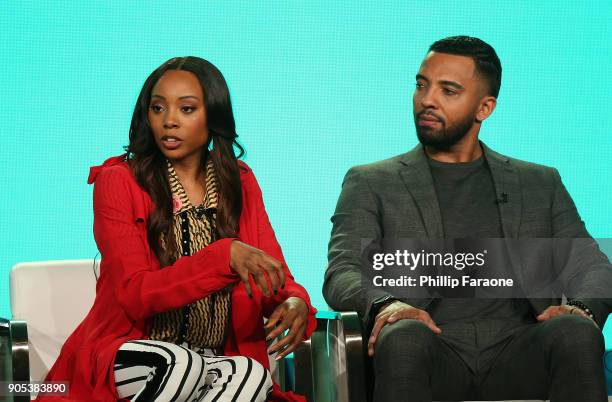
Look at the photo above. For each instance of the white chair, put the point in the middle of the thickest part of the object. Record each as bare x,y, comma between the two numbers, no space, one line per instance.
52,297
49,300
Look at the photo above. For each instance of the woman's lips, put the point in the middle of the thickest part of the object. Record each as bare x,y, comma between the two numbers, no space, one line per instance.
171,143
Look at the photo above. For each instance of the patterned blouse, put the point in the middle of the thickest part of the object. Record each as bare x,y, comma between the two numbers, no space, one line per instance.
201,324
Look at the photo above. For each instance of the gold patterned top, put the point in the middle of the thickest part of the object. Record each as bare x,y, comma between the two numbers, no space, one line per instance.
203,323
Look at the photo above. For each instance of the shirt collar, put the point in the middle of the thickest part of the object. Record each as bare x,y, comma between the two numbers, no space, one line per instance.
180,201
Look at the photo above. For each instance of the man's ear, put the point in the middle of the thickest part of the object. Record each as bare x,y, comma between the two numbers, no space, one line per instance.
486,107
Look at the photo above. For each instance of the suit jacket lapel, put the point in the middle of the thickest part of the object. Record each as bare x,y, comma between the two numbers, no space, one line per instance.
507,187
506,181
416,175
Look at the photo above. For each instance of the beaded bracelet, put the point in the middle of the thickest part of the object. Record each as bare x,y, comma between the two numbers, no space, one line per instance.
583,307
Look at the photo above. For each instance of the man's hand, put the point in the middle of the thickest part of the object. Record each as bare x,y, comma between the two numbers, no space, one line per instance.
396,311
554,311
248,261
292,314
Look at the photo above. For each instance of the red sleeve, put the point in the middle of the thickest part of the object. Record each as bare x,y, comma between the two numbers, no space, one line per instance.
269,244
126,259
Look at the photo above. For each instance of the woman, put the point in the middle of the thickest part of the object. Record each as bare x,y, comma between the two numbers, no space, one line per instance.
190,264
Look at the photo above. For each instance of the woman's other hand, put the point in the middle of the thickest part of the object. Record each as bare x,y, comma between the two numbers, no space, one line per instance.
267,271
292,314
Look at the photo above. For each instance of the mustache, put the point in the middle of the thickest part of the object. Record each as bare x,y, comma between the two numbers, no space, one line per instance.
429,113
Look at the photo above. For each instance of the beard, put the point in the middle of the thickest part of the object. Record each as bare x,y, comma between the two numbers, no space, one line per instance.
445,137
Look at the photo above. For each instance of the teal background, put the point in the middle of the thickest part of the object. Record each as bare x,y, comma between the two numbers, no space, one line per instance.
317,87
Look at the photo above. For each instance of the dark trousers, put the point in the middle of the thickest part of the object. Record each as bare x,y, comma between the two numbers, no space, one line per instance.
560,359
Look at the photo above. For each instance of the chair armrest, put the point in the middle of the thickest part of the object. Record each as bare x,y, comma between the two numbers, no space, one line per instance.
14,353
608,370
312,370
6,366
347,351
331,366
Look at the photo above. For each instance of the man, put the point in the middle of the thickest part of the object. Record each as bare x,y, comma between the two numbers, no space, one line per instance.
452,186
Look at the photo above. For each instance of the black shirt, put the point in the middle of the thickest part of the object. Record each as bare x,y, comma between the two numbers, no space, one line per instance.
467,198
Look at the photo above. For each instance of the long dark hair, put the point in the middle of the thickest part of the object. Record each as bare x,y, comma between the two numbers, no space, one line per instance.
148,164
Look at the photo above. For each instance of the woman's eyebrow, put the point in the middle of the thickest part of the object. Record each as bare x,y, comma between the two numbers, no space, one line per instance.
181,97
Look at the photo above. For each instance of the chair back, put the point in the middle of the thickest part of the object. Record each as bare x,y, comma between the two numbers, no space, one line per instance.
53,297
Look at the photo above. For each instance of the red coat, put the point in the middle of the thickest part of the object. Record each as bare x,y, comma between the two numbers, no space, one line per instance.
132,287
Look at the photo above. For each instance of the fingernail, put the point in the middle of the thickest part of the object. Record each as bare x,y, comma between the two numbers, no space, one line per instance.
277,358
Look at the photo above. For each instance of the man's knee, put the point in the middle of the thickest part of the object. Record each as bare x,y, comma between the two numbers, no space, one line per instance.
573,334
405,339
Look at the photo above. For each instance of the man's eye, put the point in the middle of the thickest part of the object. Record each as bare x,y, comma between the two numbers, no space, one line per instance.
156,108
420,85
449,91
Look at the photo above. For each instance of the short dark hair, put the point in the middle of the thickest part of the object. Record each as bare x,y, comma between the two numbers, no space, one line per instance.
483,54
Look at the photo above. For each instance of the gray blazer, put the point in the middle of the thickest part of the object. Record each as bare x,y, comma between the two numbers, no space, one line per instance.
395,198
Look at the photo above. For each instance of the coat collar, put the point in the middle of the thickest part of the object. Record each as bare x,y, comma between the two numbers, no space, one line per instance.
416,174
507,188
417,177
244,169
95,170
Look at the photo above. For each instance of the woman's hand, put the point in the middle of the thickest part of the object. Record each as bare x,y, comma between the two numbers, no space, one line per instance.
246,260
292,314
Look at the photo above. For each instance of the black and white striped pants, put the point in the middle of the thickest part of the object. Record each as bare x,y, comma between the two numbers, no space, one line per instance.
147,370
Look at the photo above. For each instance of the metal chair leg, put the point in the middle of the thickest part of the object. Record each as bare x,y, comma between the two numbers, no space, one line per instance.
14,353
